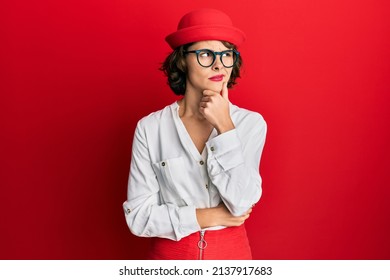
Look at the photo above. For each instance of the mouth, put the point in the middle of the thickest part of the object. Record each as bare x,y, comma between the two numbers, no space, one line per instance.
216,78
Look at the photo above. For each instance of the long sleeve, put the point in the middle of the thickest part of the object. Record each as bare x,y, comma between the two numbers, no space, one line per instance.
146,215
233,164
169,179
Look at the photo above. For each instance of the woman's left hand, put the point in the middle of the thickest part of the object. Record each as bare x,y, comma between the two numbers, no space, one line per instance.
214,106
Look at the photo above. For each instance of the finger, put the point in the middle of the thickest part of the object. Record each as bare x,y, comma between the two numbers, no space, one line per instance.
225,92
203,104
206,99
247,213
242,219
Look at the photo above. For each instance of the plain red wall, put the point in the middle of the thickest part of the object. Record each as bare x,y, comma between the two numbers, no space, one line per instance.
77,75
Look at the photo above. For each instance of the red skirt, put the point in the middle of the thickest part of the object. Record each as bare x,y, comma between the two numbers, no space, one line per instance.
226,244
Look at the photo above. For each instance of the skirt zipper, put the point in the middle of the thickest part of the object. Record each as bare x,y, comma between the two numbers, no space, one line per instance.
202,244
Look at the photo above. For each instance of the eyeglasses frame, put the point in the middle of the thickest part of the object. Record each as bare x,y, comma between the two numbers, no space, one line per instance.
197,52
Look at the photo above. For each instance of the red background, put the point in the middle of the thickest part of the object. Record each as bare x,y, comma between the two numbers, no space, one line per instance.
77,75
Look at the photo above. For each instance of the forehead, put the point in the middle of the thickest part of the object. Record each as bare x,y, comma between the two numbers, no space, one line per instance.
211,45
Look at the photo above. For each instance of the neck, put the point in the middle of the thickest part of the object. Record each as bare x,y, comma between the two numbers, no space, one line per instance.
189,105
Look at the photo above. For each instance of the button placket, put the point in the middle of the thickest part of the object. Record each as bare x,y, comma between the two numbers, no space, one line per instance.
203,171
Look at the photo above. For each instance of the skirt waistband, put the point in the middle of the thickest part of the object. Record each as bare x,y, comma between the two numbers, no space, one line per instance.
230,243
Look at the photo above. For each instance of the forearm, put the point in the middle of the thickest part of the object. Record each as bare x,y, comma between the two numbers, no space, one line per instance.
239,188
224,125
166,221
234,172
219,216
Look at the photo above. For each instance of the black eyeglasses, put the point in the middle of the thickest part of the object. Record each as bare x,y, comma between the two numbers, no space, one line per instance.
206,57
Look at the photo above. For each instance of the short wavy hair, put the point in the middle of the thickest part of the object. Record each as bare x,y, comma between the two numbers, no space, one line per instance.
174,67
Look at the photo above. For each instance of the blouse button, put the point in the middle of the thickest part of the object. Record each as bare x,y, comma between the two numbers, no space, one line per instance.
212,149
201,162
163,163
128,211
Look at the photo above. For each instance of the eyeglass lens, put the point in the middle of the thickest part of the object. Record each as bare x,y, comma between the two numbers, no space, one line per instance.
206,58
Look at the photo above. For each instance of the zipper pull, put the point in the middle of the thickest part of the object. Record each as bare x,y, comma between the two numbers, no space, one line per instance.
202,244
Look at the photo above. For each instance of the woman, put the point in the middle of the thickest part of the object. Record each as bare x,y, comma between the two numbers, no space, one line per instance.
194,174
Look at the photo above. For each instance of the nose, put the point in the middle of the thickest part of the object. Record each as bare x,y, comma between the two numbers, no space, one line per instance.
217,63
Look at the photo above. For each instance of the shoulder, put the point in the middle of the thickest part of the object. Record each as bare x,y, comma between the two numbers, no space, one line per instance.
154,119
247,118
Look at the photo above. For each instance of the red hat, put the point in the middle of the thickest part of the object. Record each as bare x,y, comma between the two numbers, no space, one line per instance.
205,24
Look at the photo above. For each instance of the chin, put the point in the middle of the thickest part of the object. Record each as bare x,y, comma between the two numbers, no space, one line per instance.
217,87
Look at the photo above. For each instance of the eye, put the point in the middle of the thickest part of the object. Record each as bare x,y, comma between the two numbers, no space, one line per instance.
227,53
205,53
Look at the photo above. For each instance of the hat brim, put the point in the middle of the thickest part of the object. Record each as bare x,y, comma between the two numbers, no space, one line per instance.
201,33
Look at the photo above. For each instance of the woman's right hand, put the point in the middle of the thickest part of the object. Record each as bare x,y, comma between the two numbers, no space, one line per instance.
219,216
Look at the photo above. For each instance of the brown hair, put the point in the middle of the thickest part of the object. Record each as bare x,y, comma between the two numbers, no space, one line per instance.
174,68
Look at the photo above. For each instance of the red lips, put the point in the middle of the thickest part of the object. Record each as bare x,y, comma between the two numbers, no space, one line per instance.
216,78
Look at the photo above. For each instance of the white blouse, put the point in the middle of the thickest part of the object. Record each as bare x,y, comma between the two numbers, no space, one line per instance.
169,178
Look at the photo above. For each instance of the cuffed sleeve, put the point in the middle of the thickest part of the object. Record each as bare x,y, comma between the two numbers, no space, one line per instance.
233,165
145,213
225,151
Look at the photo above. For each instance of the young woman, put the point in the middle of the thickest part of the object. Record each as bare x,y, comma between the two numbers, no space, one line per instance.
194,174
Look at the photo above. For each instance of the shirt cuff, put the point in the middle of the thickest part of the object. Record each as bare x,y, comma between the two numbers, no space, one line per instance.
188,222
225,150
